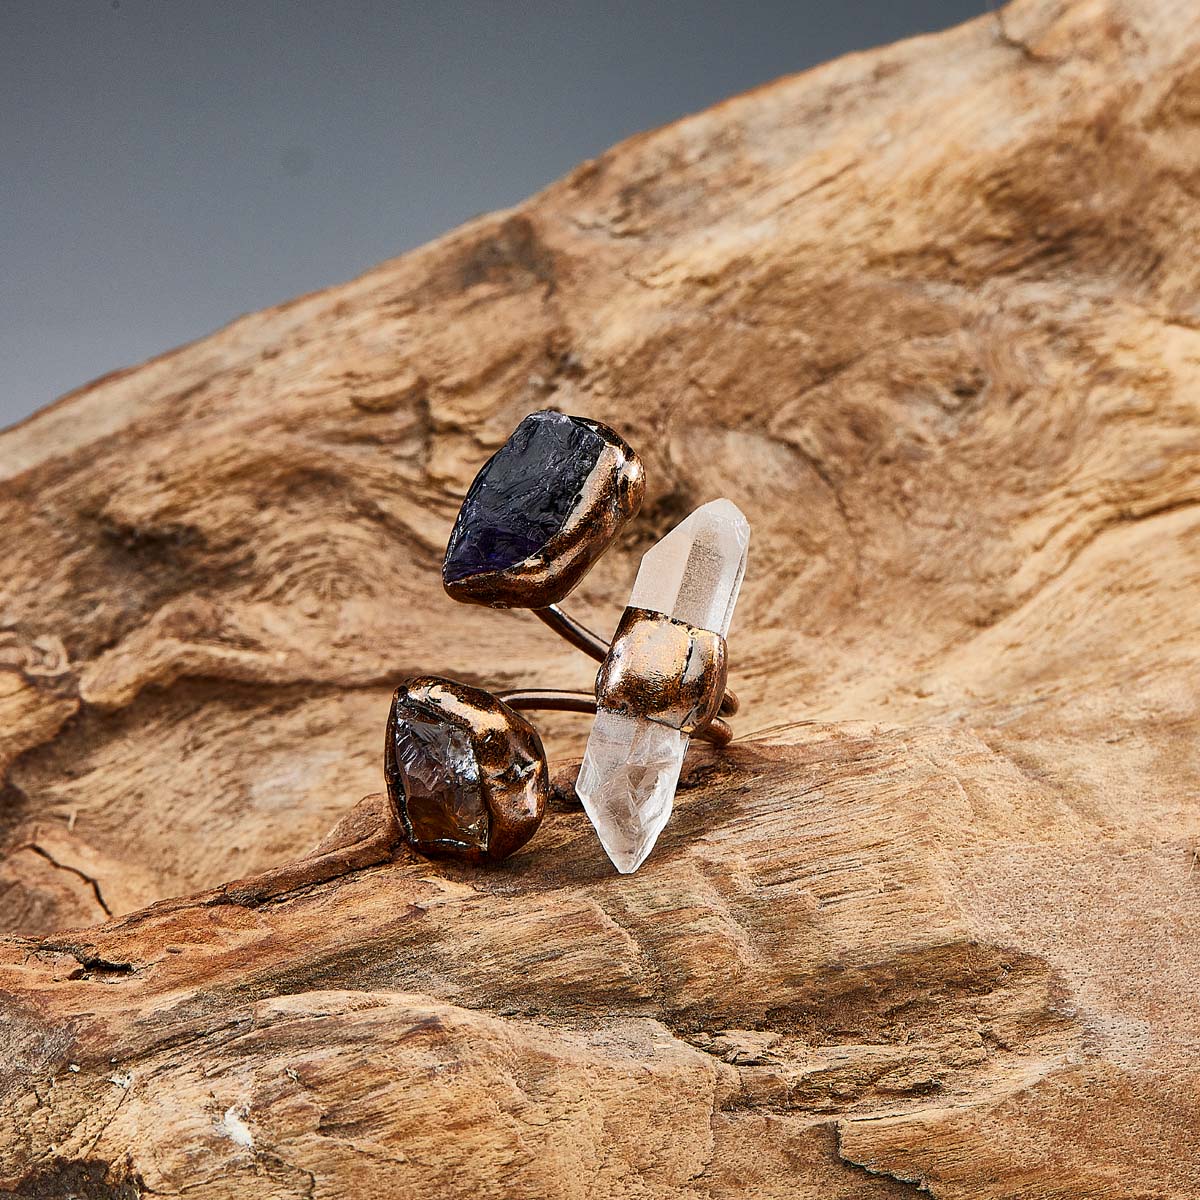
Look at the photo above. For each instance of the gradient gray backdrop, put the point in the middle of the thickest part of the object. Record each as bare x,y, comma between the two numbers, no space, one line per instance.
168,164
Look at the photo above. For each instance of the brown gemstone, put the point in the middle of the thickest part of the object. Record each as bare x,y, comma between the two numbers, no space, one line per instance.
465,773
443,801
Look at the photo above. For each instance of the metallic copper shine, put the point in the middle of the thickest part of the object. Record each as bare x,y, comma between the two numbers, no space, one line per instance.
559,700
663,670
594,646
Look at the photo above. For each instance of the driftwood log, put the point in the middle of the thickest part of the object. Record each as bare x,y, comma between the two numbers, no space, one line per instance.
931,316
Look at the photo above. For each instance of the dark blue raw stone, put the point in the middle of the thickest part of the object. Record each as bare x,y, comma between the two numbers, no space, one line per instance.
523,495
443,799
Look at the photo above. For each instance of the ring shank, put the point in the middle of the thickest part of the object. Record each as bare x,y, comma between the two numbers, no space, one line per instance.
555,700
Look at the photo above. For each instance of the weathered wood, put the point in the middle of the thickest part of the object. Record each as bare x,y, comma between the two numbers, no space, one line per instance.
931,316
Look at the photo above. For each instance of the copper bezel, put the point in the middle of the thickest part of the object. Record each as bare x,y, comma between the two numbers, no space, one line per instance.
664,670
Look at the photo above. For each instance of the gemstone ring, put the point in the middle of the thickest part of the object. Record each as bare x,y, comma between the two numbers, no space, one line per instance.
466,773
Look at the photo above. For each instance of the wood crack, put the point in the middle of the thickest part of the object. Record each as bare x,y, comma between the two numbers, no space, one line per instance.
90,880
913,1184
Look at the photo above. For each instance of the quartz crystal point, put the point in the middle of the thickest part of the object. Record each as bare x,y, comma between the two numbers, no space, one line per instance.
631,765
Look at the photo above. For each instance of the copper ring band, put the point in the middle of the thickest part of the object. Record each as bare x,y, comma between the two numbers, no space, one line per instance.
593,645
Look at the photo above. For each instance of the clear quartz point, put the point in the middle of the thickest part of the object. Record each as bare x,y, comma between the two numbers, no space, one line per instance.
631,765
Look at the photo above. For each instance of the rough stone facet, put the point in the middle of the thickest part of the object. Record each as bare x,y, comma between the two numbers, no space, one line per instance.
631,764
523,495
694,574
443,798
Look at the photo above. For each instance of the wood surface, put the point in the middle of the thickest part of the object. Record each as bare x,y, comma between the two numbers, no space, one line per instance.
931,316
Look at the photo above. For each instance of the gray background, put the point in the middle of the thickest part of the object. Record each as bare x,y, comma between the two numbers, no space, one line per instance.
168,164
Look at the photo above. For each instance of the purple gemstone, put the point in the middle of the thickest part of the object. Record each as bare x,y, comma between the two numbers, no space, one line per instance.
523,495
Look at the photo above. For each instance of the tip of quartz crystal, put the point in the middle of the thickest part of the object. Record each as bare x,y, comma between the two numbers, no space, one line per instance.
627,864
627,784
628,861
724,509
694,573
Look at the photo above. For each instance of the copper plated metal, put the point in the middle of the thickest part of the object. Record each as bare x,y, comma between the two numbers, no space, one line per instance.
570,630
656,667
593,645
664,670
610,496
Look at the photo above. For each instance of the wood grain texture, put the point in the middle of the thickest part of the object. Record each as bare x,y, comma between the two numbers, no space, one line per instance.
931,316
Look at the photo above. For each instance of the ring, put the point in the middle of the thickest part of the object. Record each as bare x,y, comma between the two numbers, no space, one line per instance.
465,772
